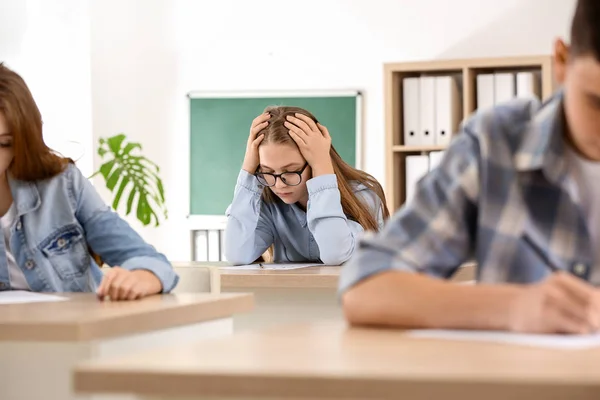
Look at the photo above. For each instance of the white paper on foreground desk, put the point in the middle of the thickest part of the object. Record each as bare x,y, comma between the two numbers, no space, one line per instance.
21,296
257,267
547,341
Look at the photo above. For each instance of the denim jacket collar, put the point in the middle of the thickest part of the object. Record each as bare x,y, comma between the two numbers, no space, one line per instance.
25,195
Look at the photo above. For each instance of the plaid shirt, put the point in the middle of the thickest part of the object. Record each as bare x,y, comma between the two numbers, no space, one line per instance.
499,196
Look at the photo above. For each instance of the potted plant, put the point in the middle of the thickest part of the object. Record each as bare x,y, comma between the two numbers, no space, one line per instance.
130,175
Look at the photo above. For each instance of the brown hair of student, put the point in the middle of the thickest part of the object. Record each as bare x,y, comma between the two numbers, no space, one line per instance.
33,160
355,209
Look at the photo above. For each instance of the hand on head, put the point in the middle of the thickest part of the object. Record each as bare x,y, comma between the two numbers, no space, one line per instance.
251,160
314,142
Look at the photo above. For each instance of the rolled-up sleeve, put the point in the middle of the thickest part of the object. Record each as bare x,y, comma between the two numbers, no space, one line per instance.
334,233
113,239
434,233
249,231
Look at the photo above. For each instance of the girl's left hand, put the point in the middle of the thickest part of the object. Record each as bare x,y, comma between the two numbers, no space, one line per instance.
122,284
314,142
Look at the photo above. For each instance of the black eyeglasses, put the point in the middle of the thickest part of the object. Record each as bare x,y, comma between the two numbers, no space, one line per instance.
289,178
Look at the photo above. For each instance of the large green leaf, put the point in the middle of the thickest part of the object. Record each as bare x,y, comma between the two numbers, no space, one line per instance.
122,187
123,169
130,201
106,168
114,143
130,147
112,180
161,190
142,209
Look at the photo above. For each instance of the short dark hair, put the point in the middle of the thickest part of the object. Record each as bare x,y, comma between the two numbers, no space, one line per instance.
585,29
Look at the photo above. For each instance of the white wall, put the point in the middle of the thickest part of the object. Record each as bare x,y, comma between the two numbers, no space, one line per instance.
48,44
147,54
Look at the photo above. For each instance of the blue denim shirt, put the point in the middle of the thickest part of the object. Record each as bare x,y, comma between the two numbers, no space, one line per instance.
58,221
500,195
321,234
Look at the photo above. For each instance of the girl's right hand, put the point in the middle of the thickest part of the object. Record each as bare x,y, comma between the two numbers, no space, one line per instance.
251,160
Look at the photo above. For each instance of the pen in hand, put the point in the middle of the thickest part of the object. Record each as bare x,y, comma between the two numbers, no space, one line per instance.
549,263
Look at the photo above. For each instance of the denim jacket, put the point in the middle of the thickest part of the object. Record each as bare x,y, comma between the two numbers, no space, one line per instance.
58,221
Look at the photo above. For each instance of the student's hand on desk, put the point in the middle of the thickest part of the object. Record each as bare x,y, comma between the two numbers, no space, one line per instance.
562,303
122,284
314,143
251,160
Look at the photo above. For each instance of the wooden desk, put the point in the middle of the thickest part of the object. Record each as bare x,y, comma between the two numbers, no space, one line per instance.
299,295
41,342
294,296
331,361
305,278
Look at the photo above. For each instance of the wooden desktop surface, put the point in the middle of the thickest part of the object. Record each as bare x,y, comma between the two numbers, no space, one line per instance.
84,317
332,361
310,277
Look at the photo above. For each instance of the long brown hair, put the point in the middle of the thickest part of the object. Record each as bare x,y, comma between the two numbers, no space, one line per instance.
354,209
33,160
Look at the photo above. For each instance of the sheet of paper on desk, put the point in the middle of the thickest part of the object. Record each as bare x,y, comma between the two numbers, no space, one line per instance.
548,341
258,267
21,296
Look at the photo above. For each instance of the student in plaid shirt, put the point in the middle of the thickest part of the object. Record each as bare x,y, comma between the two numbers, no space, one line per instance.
518,189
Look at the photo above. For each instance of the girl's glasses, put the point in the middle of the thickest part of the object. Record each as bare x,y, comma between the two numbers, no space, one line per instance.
289,178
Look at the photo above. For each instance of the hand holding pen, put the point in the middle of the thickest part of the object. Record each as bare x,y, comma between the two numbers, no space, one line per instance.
562,303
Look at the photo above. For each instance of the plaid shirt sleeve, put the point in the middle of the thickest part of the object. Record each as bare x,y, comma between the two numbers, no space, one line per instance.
434,233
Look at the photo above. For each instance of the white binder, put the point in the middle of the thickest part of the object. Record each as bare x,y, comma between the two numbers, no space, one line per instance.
416,168
427,108
214,245
448,109
435,157
528,85
201,244
485,91
222,233
411,102
504,87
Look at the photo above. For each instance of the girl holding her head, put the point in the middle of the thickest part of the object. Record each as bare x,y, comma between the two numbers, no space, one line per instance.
296,194
53,220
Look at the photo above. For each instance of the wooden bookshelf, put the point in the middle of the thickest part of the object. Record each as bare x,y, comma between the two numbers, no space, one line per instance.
465,71
416,149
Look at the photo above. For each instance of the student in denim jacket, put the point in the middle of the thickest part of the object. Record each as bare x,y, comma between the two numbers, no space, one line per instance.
53,220
296,196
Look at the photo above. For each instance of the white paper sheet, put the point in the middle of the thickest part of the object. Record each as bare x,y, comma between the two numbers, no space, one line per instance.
20,296
259,267
548,341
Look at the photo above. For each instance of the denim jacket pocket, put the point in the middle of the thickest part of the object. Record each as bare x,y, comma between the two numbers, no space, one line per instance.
66,249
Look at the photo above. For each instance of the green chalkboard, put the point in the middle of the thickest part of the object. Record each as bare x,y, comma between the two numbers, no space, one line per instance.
219,128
